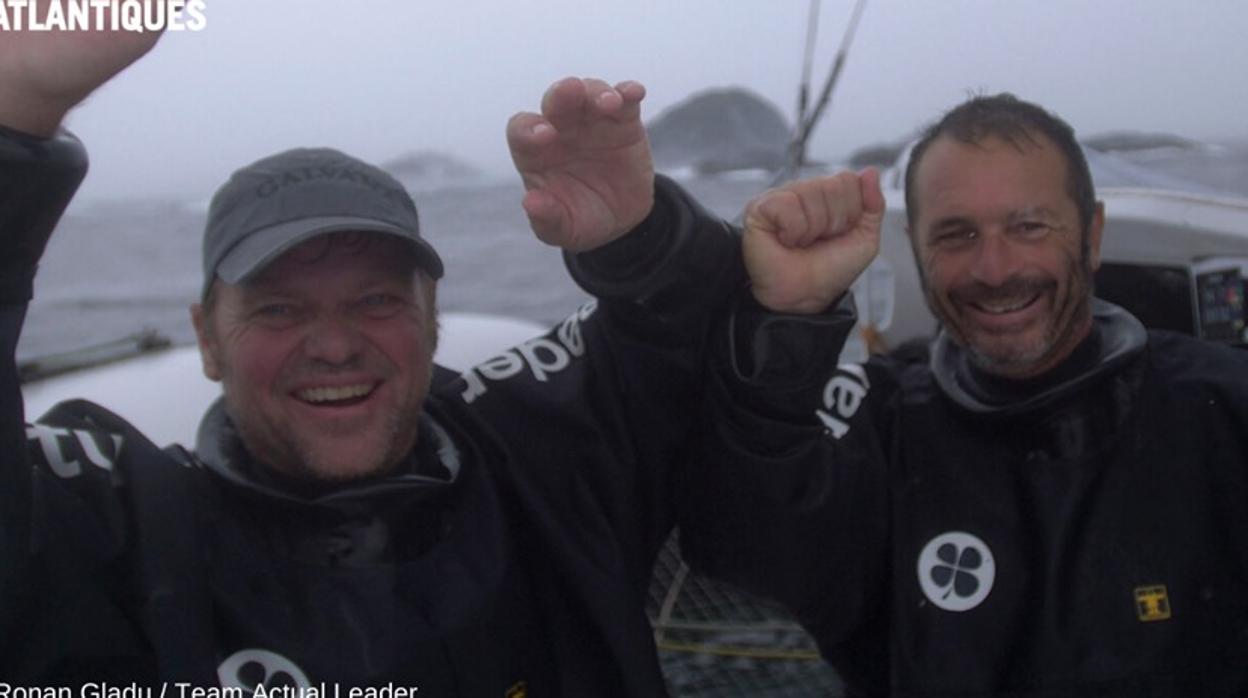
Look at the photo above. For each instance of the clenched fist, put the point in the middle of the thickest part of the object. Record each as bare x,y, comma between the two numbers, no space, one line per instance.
807,241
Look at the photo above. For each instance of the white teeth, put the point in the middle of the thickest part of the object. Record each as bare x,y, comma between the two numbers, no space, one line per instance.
1002,308
333,394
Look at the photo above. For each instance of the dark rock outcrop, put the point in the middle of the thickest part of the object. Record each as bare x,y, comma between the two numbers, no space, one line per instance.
426,170
880,155
1128,141
719,130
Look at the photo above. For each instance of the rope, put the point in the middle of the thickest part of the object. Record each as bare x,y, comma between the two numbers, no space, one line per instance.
669,602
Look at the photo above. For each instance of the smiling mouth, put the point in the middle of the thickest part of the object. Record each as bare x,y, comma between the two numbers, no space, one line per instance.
1004,306
336,396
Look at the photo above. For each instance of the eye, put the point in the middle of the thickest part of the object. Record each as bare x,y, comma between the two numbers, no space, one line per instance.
954,237
1031,229
275,310
380,304
378,299
275,314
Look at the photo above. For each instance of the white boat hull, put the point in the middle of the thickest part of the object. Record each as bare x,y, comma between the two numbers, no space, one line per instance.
164,393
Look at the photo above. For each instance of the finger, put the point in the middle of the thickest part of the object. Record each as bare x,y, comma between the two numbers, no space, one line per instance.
872,194
819,216
527,131
753,218
631,91
528,138
780,213
563,102
603,98
546,216
558,93
843,199
825,206
830,204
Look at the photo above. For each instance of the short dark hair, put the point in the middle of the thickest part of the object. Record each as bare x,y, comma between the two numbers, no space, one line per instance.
1016,122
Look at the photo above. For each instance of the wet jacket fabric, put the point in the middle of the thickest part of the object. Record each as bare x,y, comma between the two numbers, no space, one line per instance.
509,557
942,533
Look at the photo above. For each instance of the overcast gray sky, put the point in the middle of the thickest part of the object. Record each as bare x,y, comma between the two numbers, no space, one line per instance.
380,77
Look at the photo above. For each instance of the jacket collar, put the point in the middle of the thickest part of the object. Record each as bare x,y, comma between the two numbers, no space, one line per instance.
1117,336
433,468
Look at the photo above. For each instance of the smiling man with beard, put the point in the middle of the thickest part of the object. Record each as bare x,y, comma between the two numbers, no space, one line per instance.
1007,237
1054,504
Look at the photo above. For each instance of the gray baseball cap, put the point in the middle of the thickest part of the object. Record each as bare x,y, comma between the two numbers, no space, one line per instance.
273,204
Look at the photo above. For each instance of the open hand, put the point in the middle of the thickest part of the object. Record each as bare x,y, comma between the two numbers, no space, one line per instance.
585,163
43,74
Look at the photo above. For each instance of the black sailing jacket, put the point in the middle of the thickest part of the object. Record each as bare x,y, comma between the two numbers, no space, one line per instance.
511,558
944,534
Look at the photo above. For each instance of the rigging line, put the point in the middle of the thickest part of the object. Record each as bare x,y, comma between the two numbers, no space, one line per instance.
826,96
803,130
803,90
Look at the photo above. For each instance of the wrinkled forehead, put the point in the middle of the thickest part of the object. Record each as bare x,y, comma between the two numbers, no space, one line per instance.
990,177
338,261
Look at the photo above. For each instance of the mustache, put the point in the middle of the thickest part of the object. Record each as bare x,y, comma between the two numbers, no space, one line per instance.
1013,288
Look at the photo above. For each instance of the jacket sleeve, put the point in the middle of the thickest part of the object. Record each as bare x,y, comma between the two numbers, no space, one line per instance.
674,267
38,178
66,606
785,495
594,419
596,410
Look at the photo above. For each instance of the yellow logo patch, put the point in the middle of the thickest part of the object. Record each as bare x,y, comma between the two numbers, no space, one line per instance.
518,690
1152,603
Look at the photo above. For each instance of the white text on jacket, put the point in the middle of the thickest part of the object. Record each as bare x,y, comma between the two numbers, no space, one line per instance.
542,356
842,397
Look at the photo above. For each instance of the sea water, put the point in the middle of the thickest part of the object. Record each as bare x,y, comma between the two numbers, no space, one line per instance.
115,268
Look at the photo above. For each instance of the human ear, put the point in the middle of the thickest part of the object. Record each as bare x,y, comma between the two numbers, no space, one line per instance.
206,339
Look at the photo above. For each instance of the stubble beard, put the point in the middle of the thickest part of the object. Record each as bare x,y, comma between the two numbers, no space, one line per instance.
1065,328
294,454
305,459
379,449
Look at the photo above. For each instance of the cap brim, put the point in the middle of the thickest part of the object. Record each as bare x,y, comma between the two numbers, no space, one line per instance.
261,248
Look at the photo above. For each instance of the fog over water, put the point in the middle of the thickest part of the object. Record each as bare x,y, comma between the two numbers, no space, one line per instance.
389,77
383,77
115,268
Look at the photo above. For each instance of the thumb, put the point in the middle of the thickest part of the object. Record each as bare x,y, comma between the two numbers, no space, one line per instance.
872,194
547,217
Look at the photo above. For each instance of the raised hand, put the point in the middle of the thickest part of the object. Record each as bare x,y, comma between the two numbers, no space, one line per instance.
806,242
585,163
44,74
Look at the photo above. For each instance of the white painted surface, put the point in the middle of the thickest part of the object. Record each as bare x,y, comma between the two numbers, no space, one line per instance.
165,393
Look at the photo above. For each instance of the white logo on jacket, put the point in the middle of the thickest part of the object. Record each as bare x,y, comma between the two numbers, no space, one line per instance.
542,356
260,669
956,571
64,450
842,397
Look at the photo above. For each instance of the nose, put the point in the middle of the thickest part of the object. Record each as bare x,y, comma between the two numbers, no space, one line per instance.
995,261
333,340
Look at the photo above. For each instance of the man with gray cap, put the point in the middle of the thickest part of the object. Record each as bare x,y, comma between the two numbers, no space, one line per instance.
351,517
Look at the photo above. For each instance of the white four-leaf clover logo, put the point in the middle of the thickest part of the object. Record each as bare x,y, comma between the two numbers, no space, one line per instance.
956,571
256,668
